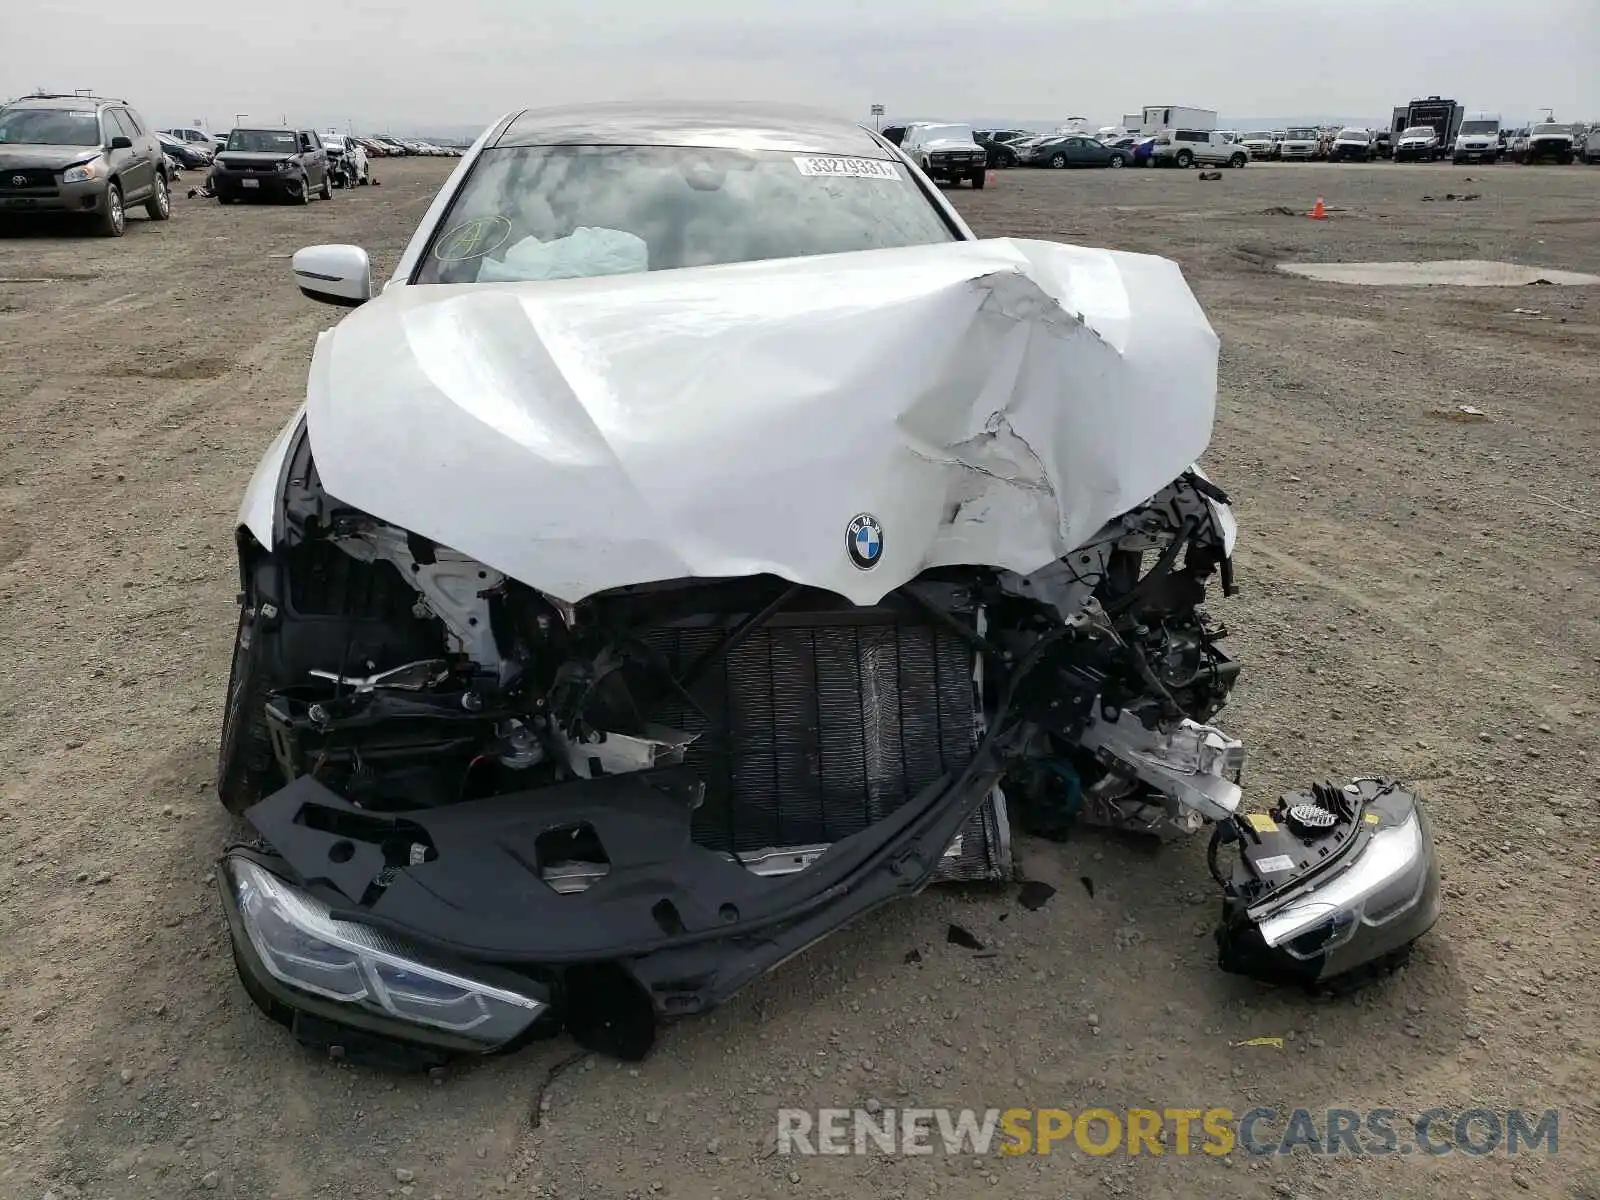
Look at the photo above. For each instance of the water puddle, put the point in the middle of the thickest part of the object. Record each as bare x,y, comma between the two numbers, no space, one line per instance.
1466,272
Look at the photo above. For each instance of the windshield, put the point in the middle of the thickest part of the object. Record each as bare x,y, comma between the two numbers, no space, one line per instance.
1259,136
1302,135
563,212
263,141
1418,131
955,133
1480,127
1354,135
1543,129
49,127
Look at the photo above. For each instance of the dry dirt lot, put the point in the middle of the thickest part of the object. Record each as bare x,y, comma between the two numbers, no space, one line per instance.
1419,598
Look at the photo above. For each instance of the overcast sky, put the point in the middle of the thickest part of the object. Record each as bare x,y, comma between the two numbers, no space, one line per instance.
428,64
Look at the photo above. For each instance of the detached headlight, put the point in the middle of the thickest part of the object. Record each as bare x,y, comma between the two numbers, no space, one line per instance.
1383,883
303,946
83,172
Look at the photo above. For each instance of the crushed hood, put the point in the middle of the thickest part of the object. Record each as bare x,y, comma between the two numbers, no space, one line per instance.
985,403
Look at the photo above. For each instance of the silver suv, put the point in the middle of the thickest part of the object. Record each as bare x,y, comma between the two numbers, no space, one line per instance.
80,155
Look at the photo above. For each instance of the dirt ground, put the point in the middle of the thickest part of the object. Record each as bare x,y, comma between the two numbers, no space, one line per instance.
1420,597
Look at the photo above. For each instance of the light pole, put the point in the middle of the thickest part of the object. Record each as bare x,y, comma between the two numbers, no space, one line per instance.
238,119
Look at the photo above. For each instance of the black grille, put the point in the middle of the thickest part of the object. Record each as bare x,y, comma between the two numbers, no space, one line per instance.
824,723
26,177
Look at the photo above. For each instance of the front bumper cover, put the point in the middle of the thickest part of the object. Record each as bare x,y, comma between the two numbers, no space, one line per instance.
671,929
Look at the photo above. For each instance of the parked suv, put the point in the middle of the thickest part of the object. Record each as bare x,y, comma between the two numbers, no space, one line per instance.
271,162
83,155
1185,147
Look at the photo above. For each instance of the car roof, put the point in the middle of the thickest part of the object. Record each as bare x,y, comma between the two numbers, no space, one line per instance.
43,100
729,126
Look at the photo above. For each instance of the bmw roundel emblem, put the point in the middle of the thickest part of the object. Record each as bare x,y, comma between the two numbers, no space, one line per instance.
864,541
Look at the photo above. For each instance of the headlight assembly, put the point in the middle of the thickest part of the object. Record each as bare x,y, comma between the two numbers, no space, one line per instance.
83,172
303,947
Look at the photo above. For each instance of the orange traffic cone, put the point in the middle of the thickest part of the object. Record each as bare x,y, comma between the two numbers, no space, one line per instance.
993,175
1319,211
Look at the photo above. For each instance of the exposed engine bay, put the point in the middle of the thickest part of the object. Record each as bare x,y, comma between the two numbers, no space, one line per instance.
446,756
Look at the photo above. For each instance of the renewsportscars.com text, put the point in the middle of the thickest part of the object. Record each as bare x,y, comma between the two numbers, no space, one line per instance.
1177,1131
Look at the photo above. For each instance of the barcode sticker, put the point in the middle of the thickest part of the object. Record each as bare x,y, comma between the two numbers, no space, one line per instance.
1275,865
822,167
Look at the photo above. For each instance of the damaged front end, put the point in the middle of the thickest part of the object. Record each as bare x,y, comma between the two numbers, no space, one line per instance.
568,692
484,815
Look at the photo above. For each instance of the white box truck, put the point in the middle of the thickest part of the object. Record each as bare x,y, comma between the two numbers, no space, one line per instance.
1176,116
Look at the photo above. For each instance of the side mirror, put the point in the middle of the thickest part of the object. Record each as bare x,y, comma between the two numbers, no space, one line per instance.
121,143
339,275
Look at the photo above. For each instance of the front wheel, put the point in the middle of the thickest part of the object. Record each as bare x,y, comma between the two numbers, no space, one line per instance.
979,178
1237,161
326,191
1117,162
111,220
1185,160
302,195
159,206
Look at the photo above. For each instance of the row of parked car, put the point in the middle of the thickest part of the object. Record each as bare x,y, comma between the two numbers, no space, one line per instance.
1482,141
202,143
96,158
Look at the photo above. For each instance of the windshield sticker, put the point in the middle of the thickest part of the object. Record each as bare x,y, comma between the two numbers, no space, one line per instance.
472,239
817,166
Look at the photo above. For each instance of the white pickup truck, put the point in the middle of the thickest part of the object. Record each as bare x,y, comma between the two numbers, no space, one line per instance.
946,153
1300,144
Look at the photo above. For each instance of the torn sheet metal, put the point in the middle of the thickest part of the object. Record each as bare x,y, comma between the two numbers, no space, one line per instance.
988,402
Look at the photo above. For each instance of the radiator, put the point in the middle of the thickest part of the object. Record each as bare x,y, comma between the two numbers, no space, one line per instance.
822,723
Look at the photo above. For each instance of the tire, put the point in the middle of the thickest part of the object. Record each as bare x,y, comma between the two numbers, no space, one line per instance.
979,178
303,194
159,206
326,191
1058,161
1566,160
1117,162
1184,160
1238,161
111,220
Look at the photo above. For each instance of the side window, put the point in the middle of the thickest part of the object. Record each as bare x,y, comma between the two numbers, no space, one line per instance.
133,119
117,125
305,142
315,139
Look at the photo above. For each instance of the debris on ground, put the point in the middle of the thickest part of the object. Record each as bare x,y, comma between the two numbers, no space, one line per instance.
1461,412
1209,175
1034,895
1453,196
958,936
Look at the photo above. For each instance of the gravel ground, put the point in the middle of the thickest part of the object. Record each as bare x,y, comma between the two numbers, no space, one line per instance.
1419,598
